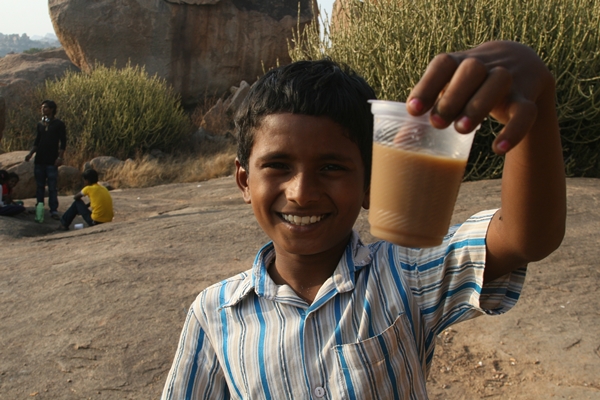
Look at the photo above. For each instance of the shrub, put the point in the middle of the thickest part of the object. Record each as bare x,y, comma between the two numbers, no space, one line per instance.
109,111
22,114
147,171
390,43
35,50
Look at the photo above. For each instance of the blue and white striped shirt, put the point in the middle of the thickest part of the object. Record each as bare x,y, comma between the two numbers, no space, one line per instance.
369,333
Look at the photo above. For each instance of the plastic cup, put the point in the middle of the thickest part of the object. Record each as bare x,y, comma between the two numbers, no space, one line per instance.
78,226
416,174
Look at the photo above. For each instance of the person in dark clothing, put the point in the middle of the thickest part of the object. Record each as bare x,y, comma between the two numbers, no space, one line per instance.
49,146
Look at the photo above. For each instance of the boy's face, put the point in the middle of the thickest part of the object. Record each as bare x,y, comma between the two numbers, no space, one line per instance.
12,182
305,183
46,111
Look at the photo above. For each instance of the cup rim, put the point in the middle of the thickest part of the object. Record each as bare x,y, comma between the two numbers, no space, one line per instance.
396,109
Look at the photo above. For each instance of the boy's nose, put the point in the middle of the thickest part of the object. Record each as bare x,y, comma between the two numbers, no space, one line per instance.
303,188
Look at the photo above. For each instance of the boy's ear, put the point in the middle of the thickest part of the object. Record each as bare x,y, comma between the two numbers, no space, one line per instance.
241,178
367,200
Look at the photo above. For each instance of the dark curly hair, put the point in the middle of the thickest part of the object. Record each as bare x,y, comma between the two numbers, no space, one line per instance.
316,88
51,105
90,175
3,176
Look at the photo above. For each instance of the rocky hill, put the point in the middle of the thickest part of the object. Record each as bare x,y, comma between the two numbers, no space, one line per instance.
15,43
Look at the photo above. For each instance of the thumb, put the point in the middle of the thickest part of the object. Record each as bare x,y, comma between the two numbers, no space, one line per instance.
521,116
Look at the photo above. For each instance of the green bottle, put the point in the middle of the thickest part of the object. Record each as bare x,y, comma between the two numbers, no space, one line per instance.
39,212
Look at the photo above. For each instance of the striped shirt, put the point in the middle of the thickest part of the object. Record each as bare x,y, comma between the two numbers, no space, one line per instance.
369,333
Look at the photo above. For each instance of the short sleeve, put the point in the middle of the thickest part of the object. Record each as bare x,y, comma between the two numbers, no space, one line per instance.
447,281
195,372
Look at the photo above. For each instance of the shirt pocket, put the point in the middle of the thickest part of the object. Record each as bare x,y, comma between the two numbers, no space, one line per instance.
385,366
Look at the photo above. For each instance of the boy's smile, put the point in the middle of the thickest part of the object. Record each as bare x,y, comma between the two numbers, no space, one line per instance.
306,185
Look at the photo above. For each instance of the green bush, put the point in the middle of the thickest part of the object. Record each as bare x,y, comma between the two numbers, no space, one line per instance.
22,114
109,111
390,43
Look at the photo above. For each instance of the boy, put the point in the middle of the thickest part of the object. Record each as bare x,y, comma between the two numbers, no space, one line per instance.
50,144
10,207
321,315
100,202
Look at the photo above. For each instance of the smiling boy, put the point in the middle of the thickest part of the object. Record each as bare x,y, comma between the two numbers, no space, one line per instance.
306,189
321,315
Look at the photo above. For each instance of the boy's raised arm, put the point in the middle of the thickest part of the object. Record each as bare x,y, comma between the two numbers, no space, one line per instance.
508,81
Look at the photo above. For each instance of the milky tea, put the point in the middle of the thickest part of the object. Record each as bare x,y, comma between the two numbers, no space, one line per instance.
416,174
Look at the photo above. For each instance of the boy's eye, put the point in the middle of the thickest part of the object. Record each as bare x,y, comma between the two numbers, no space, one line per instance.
275,165
333,167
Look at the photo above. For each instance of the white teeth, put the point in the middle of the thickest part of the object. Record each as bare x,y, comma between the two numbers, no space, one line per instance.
297,220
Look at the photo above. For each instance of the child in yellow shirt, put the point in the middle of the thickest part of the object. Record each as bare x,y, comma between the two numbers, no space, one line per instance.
100,203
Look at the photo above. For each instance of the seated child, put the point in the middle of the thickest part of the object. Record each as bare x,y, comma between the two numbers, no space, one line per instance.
322,315
3,185
10,206
100,203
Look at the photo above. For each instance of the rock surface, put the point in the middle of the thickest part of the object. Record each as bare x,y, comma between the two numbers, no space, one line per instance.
97,313
102,164
219,119
69,178
19,73
2,115
201,47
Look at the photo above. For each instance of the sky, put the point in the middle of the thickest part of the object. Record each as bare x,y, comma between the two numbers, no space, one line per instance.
25,16
31,16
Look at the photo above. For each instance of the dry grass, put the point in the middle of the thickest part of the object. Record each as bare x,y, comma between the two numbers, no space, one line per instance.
213,162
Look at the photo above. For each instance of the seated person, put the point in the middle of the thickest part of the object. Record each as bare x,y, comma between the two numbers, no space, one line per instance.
100,203
10,207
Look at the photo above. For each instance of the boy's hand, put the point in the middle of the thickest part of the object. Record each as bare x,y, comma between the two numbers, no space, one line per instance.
503,79
510,82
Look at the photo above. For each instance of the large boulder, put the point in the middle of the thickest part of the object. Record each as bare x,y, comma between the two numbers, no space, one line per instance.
15,162
103,164
2,115
218,120
20,73
69,178
199,46
237,97
9,160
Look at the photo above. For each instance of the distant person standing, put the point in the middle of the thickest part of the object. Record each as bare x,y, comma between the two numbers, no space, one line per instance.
49,146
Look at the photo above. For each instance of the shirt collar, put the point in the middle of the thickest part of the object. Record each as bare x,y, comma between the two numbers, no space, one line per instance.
355,257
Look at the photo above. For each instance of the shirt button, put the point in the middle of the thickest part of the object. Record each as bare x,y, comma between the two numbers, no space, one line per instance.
319,392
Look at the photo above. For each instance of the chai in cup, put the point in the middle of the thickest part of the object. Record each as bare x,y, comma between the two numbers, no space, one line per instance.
416,174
